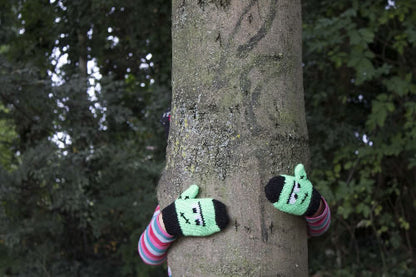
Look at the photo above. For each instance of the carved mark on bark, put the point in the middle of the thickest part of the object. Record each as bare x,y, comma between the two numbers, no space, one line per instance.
250,18
225,43
238,24
236,225
262,201
218,39
243,50
223,4
182,6
245,87
264,234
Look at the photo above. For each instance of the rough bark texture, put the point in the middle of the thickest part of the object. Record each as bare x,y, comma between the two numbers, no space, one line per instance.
237,120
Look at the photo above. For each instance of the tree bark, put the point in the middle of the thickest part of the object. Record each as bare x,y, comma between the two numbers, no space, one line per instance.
237,120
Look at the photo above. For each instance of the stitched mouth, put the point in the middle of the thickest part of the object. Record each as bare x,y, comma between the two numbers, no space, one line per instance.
199,217
293,194
304,198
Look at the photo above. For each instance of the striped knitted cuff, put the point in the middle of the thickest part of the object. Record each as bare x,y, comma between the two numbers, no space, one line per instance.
163,236
154,242
320,224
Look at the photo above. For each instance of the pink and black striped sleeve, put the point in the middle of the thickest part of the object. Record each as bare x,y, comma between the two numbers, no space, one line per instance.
154,242
320,224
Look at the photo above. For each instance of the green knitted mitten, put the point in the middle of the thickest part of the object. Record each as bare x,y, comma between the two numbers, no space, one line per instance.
190,216
293,194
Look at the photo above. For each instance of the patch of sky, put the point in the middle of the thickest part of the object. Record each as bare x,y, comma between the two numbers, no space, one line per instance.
114,40
93,79
151,80
89,33
23,22
61,139
364,138
145,63
93,91
391,4
60,4
58,59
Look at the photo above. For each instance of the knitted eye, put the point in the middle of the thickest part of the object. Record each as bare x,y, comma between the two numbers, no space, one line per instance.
196,209
294,196
297,187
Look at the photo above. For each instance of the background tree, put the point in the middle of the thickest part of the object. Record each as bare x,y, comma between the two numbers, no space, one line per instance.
81,152
360,89
237,120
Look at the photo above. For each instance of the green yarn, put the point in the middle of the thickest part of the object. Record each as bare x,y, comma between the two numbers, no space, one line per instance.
296,193
190,216
191,192
196,217
293,194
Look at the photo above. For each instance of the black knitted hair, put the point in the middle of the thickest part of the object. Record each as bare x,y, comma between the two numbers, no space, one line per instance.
220,209
170,220
274,188
314,204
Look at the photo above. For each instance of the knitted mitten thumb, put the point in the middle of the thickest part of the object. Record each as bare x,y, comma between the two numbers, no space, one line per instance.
189,193
190,216
293,194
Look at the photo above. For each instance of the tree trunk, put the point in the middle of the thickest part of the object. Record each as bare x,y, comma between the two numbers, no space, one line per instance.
237,120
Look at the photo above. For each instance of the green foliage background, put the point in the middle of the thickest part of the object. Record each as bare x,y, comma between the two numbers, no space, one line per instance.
360,89
75,204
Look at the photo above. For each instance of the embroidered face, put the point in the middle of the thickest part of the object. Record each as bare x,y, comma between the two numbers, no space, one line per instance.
296,193
196,216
